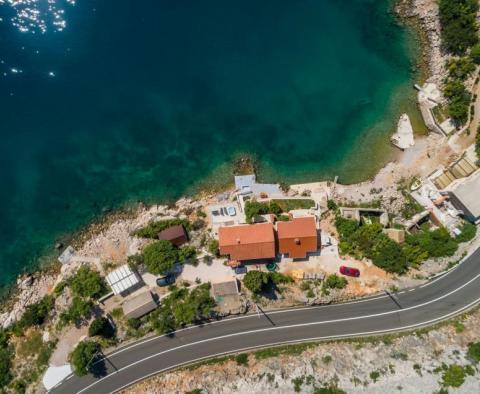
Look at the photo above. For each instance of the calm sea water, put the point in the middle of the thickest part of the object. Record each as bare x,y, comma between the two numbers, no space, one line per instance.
140,100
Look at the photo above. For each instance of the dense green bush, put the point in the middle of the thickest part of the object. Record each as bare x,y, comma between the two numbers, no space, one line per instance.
82,356
183,307
458,22
454,375
36,314
241,359
5,366
468,230
258,281
101,326
437,243
79,309
160,257
388,255
254,208
474,352
475,54
335,282
212,246
152,229
458,100
460,68
187,253
332,205
255,281
88,283
369,241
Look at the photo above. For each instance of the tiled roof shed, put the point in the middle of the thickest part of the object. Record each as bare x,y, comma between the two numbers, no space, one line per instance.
297,237
247,242
175,234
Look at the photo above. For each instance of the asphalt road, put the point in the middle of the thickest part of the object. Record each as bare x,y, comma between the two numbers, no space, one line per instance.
444,297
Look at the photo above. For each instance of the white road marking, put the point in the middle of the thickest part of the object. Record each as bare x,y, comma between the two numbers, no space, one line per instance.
309,324
273,344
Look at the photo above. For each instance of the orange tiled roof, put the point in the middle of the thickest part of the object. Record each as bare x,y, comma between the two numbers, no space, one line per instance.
297,237
247,242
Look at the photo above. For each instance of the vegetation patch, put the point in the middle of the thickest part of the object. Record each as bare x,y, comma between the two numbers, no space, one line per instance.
290,350
152,229
183,307
258,281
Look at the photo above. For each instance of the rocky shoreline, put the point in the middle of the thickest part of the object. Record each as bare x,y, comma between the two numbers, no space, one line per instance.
423,15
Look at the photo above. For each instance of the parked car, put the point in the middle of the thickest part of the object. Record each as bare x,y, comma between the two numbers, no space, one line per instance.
349,271
241,270
166,280
231,211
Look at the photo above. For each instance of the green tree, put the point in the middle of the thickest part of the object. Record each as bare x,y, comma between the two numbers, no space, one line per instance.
101,326
82,356
78,311
389,255
160,257
458,23
255,281
460,68
36,314
187,253
88,283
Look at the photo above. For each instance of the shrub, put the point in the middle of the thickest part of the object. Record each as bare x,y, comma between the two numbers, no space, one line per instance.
201,213
255,281
134,323
468,230
453,376
101,326
212,247
183,307
277,278
5,366
36,314
187,253
152,229
474,352
475,54
242,359
88,283
160,257
254,208
332,205
389,255
335,281
78,311
82,357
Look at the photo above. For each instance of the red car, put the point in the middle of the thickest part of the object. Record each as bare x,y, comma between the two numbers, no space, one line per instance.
349,271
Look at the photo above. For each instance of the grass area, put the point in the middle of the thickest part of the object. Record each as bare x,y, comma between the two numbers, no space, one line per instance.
289,204
290,350
440,113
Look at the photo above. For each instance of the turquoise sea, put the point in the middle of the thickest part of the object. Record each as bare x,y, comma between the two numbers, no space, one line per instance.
142,100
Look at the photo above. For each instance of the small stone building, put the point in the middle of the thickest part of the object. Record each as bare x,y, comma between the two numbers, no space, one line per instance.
139,305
